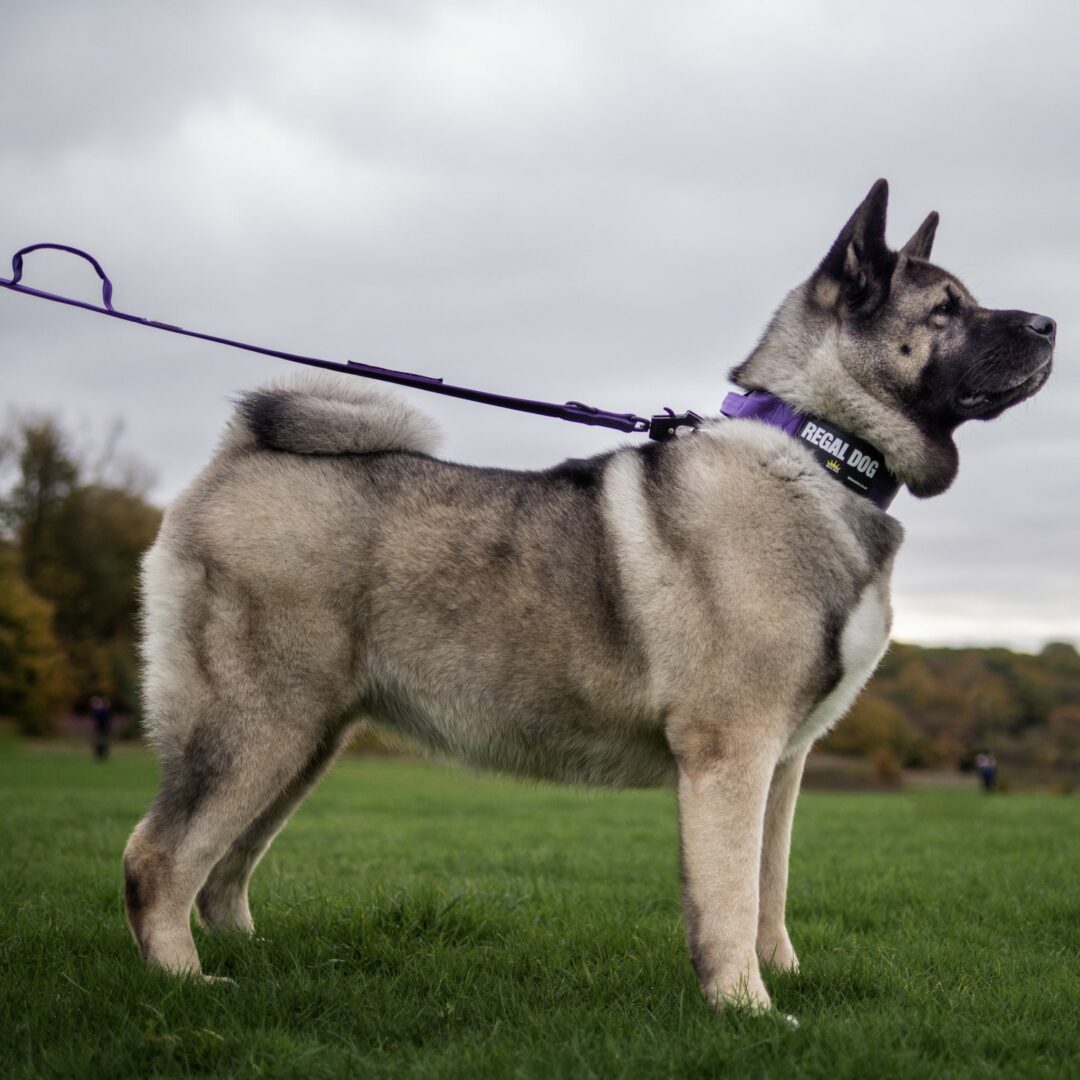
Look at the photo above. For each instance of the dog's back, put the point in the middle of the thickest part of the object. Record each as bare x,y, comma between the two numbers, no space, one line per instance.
324,564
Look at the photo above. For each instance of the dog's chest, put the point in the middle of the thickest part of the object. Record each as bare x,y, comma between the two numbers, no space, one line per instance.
862,644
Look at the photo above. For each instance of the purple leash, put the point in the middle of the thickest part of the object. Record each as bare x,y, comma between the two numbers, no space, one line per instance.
662,426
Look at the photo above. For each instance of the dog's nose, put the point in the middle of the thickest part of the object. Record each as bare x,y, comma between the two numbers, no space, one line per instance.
1042,325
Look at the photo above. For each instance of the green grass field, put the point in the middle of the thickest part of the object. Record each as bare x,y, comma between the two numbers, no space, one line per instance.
414,921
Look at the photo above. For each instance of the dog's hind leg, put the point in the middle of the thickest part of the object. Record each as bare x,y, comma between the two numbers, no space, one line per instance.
212,790
247,691
222,903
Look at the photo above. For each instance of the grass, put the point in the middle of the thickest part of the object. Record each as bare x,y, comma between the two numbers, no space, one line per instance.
418,922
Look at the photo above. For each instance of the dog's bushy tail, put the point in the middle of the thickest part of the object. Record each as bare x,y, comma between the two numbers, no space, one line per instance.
323,413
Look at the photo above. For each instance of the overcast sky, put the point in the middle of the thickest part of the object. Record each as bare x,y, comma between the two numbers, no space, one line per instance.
564,200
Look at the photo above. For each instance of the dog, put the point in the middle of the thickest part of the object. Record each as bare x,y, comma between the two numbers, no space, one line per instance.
698,610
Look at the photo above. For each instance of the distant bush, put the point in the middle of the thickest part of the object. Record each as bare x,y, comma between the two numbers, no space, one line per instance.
886,765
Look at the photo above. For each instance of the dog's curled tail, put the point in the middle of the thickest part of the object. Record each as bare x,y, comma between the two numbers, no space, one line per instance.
323,413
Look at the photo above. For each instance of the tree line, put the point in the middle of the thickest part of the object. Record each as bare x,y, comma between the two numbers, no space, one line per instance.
73,525
939,707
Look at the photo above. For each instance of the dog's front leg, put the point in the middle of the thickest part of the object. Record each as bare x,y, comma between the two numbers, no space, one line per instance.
773,943
722,796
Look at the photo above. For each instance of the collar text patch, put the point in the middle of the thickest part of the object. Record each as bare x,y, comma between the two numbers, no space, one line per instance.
858,464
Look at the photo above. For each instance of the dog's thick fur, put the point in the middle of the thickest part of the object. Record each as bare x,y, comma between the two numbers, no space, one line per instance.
699,610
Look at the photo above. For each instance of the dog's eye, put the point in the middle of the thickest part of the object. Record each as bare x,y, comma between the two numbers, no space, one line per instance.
947,307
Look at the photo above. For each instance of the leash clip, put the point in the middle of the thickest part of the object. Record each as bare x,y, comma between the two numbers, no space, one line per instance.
666,424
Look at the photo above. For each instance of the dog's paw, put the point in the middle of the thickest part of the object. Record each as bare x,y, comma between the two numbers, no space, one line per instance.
743,995
224,912
776,952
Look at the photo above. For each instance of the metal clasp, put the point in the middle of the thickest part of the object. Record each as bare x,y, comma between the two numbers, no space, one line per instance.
666,425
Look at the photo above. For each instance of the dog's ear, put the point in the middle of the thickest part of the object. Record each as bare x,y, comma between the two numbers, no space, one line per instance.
856,273
922,242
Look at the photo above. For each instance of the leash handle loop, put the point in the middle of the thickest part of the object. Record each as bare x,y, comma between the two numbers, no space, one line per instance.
106,284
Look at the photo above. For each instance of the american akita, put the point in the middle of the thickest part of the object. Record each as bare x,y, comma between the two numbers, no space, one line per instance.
700,609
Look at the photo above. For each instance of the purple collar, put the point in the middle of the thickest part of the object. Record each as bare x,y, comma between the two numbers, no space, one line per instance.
859,466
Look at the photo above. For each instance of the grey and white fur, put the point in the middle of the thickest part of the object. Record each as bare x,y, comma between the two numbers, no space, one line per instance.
696,611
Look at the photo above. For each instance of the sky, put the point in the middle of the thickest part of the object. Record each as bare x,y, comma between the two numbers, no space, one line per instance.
599,201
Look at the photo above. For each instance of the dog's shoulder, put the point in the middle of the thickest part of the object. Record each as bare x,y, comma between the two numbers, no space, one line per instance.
763,482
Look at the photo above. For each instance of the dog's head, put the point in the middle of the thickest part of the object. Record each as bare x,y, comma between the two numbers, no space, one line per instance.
897,349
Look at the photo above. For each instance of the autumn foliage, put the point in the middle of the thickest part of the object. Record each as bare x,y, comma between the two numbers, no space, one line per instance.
73,532
938,707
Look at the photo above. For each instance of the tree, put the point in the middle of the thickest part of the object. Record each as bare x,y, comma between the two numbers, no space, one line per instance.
80,543
1062,658
34,676
47,475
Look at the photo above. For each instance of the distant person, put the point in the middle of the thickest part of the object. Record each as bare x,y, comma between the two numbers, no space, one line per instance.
987,766
101,712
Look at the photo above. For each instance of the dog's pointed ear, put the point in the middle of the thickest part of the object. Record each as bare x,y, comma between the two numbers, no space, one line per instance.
857,271
921,244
